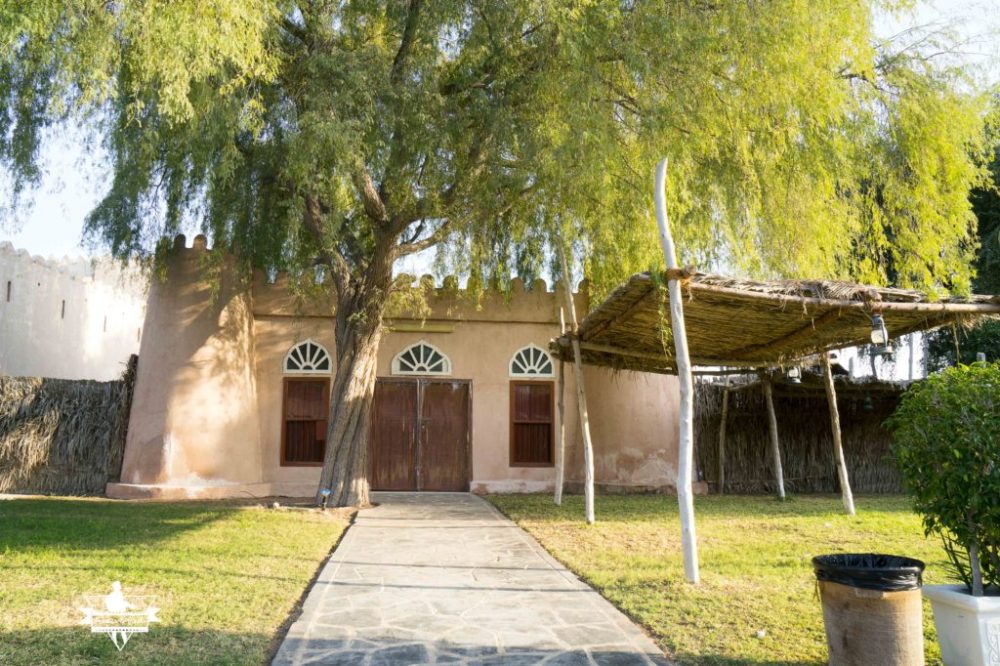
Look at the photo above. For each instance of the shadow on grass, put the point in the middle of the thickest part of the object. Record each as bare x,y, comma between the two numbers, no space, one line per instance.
33,524
654,508
167,646
709,659
162,646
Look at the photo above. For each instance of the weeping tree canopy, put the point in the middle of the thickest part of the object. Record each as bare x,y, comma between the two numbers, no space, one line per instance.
953,345
799,145
352,133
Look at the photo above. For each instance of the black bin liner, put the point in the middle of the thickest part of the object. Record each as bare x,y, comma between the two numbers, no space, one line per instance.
870,571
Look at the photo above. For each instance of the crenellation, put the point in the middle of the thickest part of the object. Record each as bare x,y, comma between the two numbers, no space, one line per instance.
52,314
199,244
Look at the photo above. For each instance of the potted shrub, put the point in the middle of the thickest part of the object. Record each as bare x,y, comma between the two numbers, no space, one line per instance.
946,434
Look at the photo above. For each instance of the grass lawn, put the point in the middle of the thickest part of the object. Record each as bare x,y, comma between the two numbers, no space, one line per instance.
225,576
755,566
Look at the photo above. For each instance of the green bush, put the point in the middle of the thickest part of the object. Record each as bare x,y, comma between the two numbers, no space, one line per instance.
946,434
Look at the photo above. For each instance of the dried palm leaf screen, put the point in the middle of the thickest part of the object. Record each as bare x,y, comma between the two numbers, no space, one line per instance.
752,324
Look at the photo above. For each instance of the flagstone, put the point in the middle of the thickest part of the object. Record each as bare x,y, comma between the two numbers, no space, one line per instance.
445,578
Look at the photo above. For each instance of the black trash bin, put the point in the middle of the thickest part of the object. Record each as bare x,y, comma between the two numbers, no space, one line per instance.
871,608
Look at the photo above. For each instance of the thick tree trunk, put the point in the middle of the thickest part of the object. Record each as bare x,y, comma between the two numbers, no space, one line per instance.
358,332
344,467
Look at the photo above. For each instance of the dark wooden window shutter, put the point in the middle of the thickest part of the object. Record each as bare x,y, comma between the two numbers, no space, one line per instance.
531,423
303,435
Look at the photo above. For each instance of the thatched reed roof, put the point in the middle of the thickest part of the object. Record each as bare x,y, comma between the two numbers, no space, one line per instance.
751,324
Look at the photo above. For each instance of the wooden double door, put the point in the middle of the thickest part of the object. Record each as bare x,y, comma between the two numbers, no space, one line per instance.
420,435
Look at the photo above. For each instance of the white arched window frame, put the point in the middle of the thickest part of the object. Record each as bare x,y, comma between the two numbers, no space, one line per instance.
421,358
307,358
531,361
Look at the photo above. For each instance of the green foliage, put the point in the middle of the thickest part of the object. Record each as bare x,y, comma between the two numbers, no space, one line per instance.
983,336
947,444
986,206
362,131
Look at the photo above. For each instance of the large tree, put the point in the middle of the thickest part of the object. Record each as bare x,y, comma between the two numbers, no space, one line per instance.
960,344
352,133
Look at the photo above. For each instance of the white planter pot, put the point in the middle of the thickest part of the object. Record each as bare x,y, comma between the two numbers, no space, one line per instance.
968,627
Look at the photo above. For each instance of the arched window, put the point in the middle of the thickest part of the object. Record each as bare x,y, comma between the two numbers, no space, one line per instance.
531,361
421,358
307,357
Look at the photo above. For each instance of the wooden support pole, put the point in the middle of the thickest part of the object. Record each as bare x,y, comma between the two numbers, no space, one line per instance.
561,451
722,439
838,446
685,463
581,394
772,421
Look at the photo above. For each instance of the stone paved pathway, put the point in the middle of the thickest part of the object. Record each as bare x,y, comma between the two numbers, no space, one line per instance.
444,578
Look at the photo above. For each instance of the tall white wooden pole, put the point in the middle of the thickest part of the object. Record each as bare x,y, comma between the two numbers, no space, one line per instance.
581,394
685,464
561,451
913,355
838,446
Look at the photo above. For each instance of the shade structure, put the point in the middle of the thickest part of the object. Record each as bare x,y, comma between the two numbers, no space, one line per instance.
752,324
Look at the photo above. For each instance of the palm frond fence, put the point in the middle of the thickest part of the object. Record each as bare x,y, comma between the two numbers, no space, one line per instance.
60,436
804,435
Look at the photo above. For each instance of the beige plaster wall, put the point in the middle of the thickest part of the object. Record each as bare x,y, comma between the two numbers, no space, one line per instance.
634,428
194,413
275,335
208,408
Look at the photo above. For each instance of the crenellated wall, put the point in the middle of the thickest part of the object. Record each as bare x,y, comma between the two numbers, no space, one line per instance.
194,411
207,413
68,318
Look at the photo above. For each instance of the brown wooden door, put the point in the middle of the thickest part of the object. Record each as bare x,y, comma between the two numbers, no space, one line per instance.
420,435
444,453
394,428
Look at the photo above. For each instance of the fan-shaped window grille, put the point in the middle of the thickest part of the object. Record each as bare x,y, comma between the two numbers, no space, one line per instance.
307,357
531,361
421,358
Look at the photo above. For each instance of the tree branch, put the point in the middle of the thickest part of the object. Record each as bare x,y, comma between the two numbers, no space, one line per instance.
313,216
439,234
396,76
409,30
373,204
294,29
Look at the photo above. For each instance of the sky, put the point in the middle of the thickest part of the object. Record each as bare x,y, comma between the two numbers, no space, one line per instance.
73,184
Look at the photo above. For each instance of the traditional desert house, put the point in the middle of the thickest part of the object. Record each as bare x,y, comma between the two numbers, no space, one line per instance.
232,390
